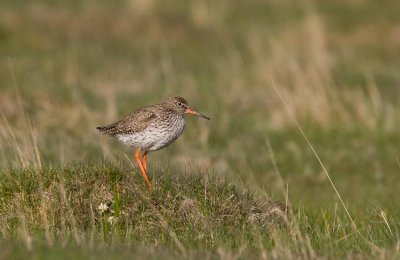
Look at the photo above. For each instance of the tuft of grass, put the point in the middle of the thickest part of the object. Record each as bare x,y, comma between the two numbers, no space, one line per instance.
64,204
90,209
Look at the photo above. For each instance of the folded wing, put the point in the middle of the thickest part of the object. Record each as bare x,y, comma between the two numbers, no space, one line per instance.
133,123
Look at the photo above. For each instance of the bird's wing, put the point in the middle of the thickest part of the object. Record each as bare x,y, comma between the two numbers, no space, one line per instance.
133,123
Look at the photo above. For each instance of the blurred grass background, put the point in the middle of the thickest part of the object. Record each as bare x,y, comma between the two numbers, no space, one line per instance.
67,67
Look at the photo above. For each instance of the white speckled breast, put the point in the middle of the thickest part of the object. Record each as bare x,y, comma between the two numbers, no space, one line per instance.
157,135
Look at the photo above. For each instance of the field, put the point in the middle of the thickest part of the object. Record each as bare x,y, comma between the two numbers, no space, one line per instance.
299,93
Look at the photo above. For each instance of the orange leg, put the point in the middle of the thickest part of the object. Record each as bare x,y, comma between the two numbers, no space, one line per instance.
144,161
137,157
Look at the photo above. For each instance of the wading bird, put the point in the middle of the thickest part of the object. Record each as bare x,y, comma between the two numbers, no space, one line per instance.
151,128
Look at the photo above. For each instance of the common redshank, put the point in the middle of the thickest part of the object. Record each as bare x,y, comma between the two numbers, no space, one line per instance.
151,128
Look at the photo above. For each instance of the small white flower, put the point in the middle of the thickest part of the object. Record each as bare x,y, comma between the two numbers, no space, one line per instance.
111,220
102,207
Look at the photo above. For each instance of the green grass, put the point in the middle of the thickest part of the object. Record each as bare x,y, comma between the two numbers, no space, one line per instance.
199,209
54,210
61,206
68,67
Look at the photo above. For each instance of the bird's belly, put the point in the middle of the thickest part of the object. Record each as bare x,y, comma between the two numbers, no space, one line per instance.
137,140
153,138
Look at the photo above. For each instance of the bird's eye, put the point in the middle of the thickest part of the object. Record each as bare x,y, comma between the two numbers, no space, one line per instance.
179,104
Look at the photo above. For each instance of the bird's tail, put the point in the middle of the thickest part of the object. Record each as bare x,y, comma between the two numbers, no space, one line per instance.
108,129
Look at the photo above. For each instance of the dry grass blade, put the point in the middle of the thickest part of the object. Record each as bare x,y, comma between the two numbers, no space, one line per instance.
129,160
316,154
383,215
349,235
14,140
34,143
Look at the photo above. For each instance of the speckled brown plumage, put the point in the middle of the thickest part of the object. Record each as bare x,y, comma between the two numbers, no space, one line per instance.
133,123
141,118
151,128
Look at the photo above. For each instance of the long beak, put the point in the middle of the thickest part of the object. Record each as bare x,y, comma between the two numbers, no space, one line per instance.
191,111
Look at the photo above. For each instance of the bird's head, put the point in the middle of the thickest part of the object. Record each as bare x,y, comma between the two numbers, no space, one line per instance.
180,105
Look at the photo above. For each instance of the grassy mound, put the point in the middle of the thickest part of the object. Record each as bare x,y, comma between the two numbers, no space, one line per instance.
83,203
